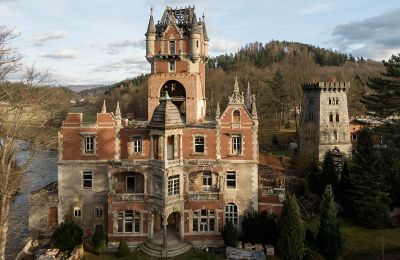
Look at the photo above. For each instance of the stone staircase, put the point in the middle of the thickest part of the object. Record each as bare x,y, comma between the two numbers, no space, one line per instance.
174,248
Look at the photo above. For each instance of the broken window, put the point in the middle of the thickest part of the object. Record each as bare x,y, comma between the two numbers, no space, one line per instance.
87,177
172,65
231,180
128,221
99,212
130,184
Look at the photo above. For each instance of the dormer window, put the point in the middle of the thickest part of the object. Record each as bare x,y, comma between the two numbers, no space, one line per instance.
236,117
172,47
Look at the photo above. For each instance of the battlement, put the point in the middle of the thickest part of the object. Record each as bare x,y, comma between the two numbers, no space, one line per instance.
326,86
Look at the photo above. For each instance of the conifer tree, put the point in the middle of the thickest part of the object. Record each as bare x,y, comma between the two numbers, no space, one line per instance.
314,178
344,185
329,174
329,241
291,235
368,193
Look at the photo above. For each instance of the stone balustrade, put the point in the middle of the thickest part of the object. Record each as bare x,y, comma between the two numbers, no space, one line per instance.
128,197
203,196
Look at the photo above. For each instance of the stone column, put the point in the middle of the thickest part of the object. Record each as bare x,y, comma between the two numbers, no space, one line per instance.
165,231
182,226
176,146
151,147
151,225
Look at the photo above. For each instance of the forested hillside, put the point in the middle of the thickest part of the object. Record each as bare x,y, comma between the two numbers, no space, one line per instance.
274,70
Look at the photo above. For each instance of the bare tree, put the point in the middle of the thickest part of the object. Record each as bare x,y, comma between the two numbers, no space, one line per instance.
26,107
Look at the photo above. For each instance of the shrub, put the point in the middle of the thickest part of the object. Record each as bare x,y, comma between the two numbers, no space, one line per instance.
260,227
123,250
230,234
67,236
99,241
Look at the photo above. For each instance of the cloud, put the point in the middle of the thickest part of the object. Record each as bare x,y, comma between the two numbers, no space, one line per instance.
375,37
62,54
223,46
43,39
115,47
125,65
317,8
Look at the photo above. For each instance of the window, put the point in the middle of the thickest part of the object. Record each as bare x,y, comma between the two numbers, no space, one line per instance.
173,185
334,135
137,144
236,117
354,137
236,144
89,144
231,213
87,177
171,65
337,117
98,211
330,101
128,221
337,101
207,181
197,44
199,144
130,184
203,220
77,212
171,47
331,118
231,180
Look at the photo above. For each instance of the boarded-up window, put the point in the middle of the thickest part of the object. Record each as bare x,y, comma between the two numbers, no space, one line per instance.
53,217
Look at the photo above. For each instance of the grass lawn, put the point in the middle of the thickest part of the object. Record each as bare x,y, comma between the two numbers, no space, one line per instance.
362,241
89,112
193,254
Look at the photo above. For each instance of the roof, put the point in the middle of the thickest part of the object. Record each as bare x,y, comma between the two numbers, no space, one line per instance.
166,115
271,161
51,188
181,17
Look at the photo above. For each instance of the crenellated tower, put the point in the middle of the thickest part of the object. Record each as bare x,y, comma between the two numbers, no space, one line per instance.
177,49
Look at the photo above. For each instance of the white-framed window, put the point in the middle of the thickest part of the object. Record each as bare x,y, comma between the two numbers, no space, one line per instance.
236,144
172,48
173,185
231,213
203,220
89,144
87,179
172,65
128,221
137,144
98,211
207,181
231,180
199,144
77,212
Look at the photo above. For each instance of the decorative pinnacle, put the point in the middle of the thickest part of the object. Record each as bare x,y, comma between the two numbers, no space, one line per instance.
236,86
104,108
253,107
218,111
118,111
151,10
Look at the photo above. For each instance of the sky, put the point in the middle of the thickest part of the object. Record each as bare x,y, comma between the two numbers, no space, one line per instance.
102,41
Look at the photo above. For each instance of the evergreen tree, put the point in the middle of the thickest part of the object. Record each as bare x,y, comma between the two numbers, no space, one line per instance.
290,243
384,100
329,174
344,185
329,241
314,178
368,193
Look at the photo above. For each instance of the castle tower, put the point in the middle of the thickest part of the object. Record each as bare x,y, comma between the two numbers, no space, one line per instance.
325,121
177,49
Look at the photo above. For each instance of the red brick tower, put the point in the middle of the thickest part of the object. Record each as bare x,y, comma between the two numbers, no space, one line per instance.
177,49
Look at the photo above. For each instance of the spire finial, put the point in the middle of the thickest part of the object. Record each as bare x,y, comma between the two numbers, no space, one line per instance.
253,107
151,10
104,108
203,17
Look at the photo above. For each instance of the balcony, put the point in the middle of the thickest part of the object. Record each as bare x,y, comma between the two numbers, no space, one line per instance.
127,197
200,196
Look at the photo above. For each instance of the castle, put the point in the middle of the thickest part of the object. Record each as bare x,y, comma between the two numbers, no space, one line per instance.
178,174
325,125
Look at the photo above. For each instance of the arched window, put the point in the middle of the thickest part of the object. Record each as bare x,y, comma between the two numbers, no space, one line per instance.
331,118
330,101
236,116
231,213
337,101
337,117
334,135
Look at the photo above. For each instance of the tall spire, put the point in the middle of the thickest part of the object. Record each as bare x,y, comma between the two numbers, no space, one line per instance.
253,107
236,86
117,112
151,29
104,108
205,31
195,25
236,97
248,100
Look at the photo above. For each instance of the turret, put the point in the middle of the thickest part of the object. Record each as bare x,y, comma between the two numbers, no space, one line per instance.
150,37
195,39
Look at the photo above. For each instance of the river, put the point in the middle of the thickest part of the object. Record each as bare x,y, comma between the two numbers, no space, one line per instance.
43,170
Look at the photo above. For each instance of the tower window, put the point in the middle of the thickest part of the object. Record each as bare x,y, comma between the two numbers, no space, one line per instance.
197,44
171,47
89,144
236,144
172,65
337,101
173,185
330,101
337,117
331,118
334,135
77,212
